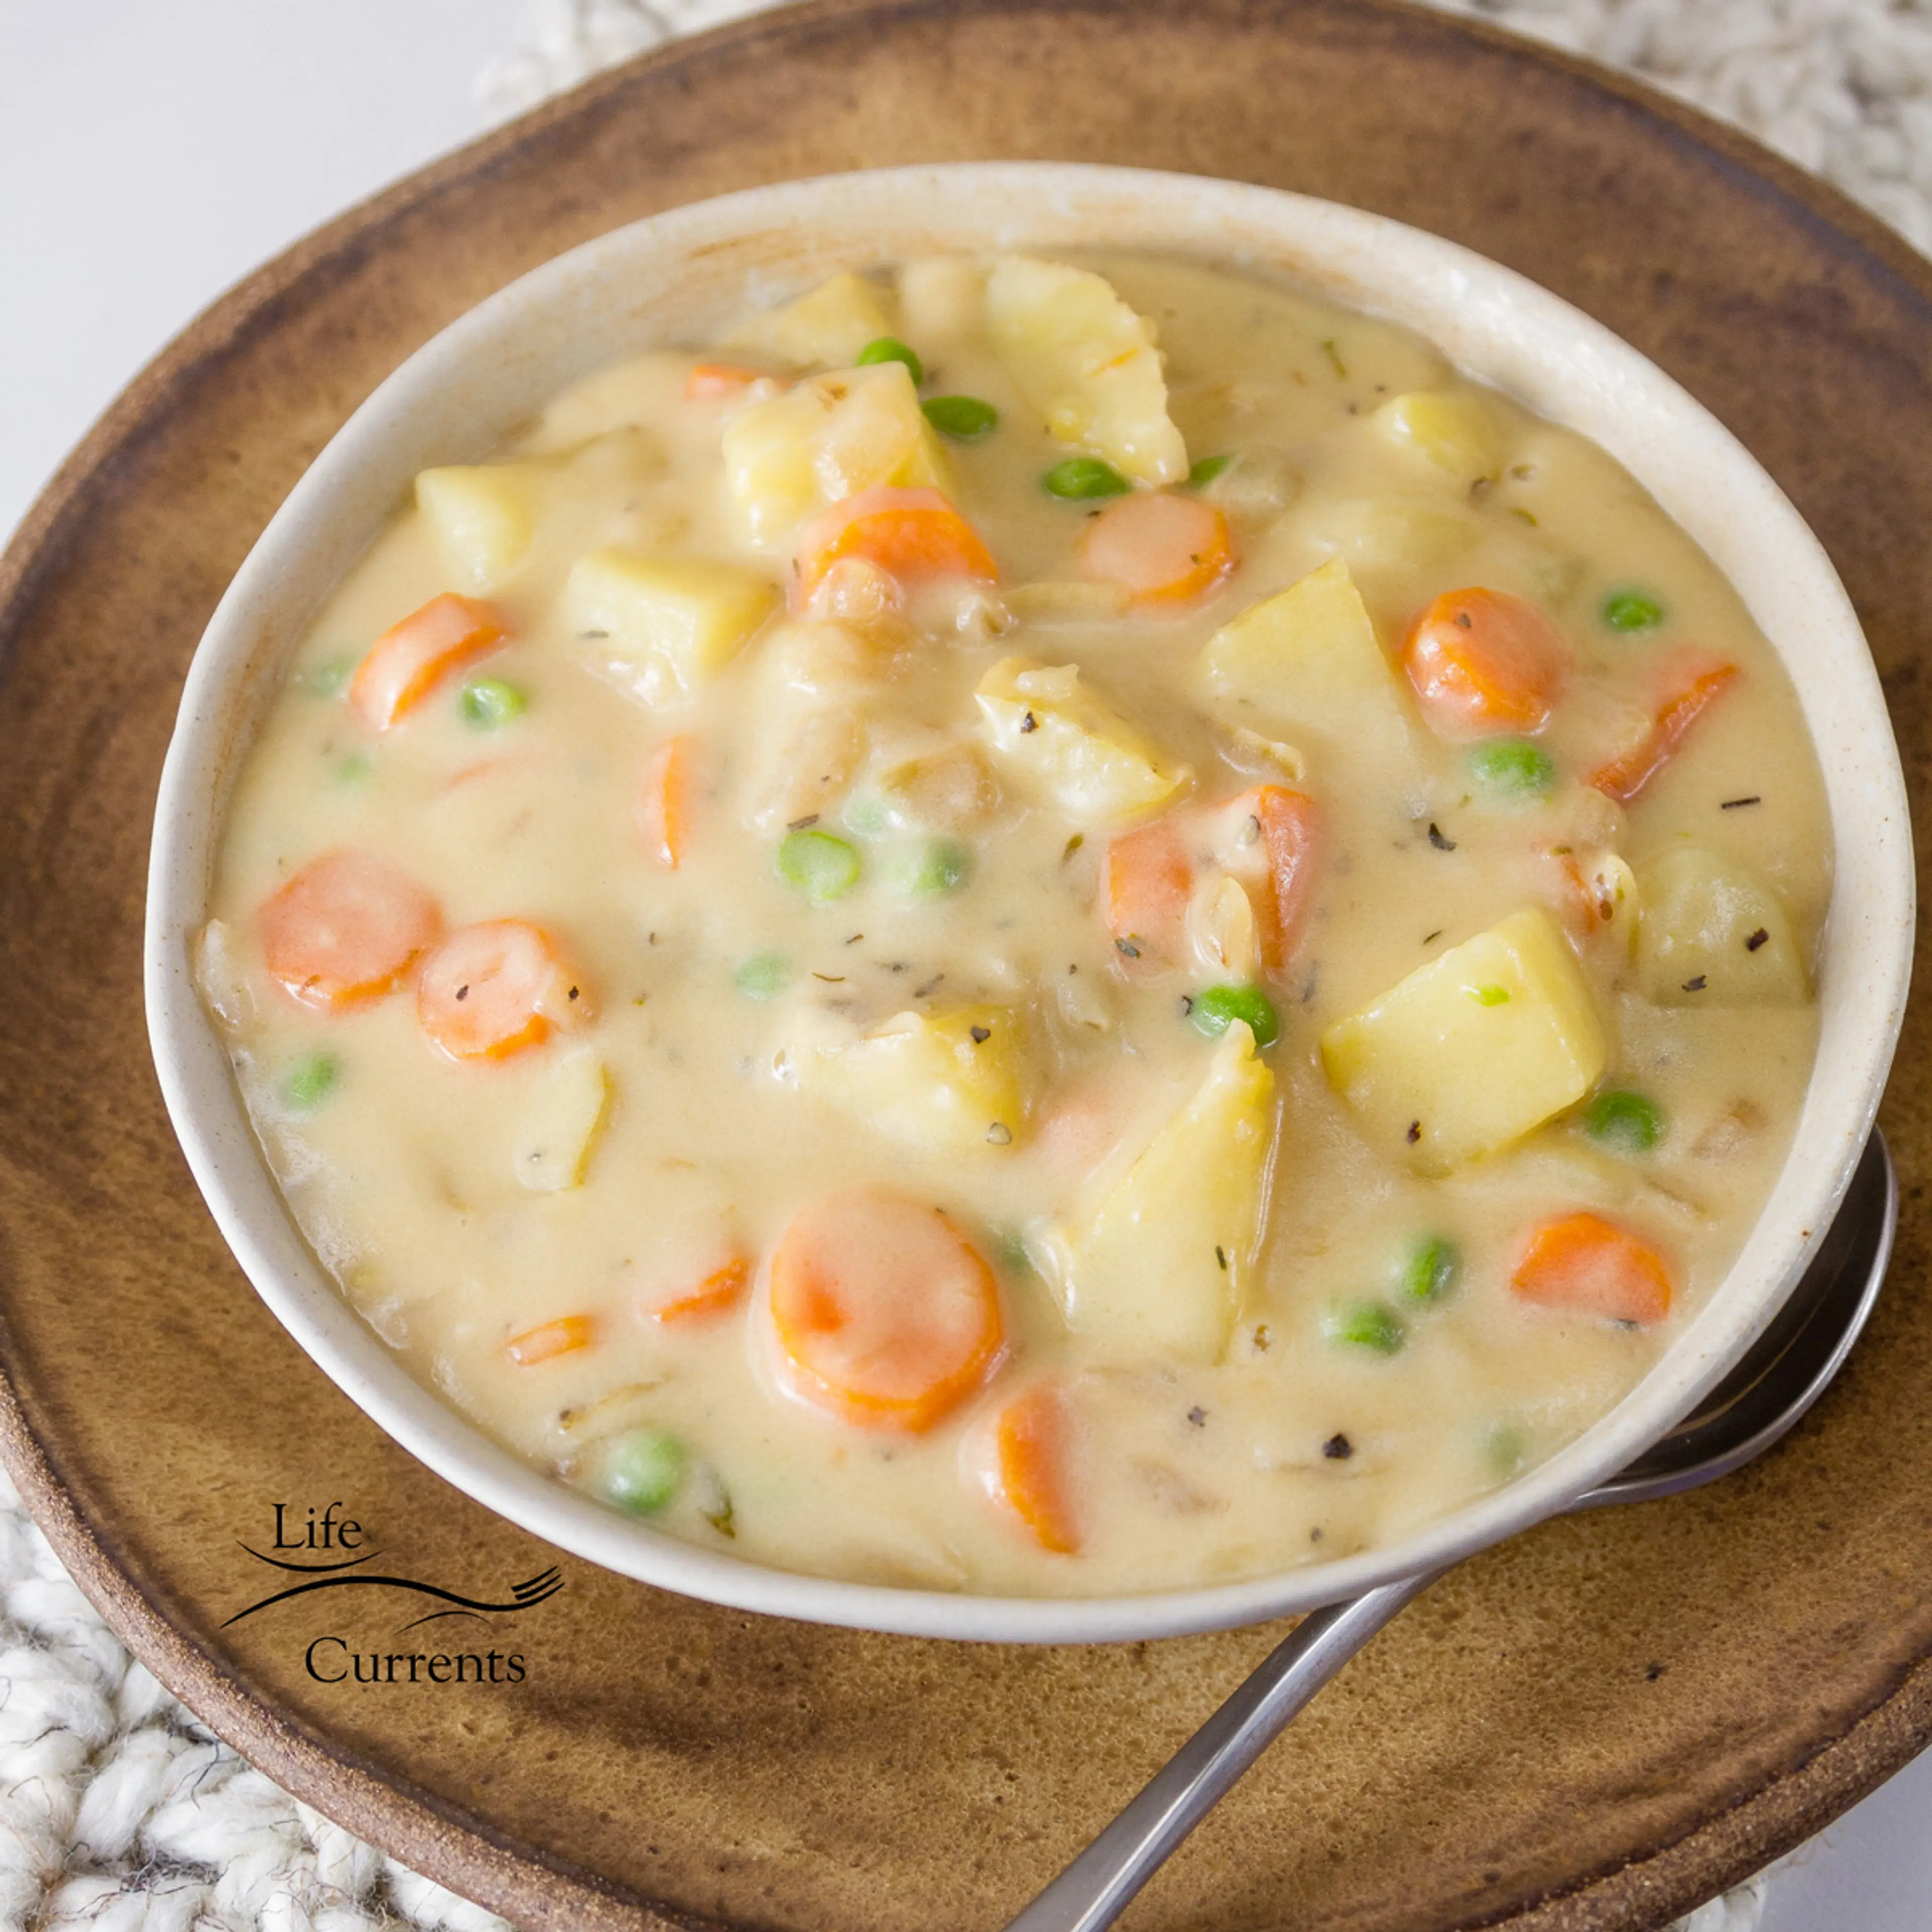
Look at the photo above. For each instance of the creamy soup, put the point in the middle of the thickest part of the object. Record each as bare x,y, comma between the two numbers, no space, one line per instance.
1033,928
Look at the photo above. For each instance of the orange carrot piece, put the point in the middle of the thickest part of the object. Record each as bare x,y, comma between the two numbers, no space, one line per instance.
409,659
563,1336
1624,777
345,928
1162,549
709,380
1032,1450
1150,879
664,801
1482,660
1291,835
884,1314
1591,1266
908,533
701,1300
491,990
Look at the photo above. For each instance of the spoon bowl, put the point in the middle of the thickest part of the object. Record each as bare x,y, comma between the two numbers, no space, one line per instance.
1778,1379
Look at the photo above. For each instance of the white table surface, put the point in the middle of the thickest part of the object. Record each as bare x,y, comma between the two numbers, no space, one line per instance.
153,152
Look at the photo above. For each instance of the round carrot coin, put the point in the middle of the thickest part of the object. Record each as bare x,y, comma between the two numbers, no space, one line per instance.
1591,1266
345,927
1162,549
884,1314
492,989
1482,661
1032,1444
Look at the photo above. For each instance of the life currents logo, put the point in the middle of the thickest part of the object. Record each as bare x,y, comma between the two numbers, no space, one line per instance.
324,1561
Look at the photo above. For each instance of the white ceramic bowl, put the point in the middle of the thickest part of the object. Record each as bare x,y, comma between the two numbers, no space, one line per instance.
678,276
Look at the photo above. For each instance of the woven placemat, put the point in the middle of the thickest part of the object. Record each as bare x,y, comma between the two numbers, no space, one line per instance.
117,1811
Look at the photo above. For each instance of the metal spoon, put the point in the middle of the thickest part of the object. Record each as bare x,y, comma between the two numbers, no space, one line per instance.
1783,1373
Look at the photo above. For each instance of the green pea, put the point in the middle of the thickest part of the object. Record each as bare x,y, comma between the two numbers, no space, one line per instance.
355,769
1207,469
1369,1324
1430,1269
1632,610
1488,996
1504,1446
489,703
941,867
764,975
964,418
329,679
643,1470
890,349
821,865
1217,1009
310,1078
1630,1123
1080,477
1512,767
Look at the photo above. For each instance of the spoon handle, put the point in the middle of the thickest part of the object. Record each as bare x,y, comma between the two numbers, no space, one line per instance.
1093,1891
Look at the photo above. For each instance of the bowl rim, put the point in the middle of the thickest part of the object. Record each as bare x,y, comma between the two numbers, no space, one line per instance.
1491,323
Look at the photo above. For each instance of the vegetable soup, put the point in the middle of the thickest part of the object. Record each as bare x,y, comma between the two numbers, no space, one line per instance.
1041,928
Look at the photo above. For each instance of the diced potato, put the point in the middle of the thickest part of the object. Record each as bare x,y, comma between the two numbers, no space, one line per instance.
942,298
1160,1270
1397,533
948,1081
222,977
1309,657
1270,757
1472,1051
1453,432
1071,602
640,391
1257,483
822,441
826,326
480,517
1225,934
1712,933
663,627
945,790
560,1125
810,767
1087,364
1071,745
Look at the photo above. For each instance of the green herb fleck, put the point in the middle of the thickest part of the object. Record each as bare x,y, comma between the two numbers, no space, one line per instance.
1207,469
1488,996
1430,1269
890,349
1081,477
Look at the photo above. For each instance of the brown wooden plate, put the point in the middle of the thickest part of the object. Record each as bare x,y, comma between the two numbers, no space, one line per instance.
1597,1726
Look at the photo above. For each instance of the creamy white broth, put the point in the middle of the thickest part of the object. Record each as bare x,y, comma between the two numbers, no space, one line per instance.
402,1166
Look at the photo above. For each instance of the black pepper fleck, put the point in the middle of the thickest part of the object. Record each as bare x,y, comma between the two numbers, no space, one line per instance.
462,992
1414,1132
1695,986
1197,1416
1738,804
1757,939
1221,1257
804,824
1029,723
1338,1448
1127,946
1437,838
980,1034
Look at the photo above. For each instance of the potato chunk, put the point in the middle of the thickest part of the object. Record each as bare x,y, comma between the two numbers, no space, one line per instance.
827,325
1472,1051
1058,736
559,1128
661,628
788,457
482,517
1159,1271
1087,363
949,1082
1308,656
1712,933
1452,432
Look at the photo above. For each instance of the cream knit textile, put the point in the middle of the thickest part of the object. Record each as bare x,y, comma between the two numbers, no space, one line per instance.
118,1812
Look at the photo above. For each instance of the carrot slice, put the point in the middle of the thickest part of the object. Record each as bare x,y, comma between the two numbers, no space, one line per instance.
491,990
1482,660
908,533
1150,879
345,927
1162,549
884,1314
664,801
1624,777
563,1336
699,1301
1290,824
709,380
409,659
1032,1449
1591,1266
